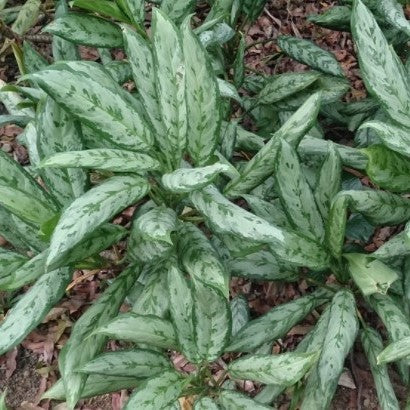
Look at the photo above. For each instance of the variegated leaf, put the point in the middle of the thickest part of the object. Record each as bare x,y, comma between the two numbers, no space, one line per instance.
189,179
26,17
177,10
88,92
232,400
10,261
91,210
86,29
202,98
114,160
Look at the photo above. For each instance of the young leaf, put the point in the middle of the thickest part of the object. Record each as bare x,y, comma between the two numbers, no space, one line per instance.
104,7
238,65
141,59
232,219
388,169
91,210
32,308
95,385
200,259
189,179
157,392
145,329
393,136
33,60
285,369
105,107
86,29
202,98
341,333
57,132
334,18
232,400
263,163
382,70
169,67
114,160
78,350
212,321
394,351
140,363
284,85
240,313
310,54
157,224
295,194
371,276
373,345
276,323
328,182
182,311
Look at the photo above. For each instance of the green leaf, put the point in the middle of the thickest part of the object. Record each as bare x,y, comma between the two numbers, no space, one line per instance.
19,120
212,322
373,345
395,137
229,218
32,308
276,323
27,17
328,182
189,179
104,7
177,10
232,400
240,313
95,385
202,98
105,106
341,333
170,70
12,101
397,246
158,392
86,29
63,49
261,265
154,298
91,210
295,194
3,405
383,72
205,403
394,351
371,276
146,329
388,169
33,60
24,273
141,59
10,261
114,160
200,259
262,164
396,324
334,18
135,9
392,12
310,54
285,369
83,345
157,224
140,363
182,311
239,65
119,70
284,85
57,132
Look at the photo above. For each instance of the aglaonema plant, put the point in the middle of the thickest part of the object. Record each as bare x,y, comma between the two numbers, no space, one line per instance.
168,149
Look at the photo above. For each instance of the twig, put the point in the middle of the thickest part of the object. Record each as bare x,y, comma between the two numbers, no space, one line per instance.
80,279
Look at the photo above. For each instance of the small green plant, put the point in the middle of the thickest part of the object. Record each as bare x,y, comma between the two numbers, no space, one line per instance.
172,149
